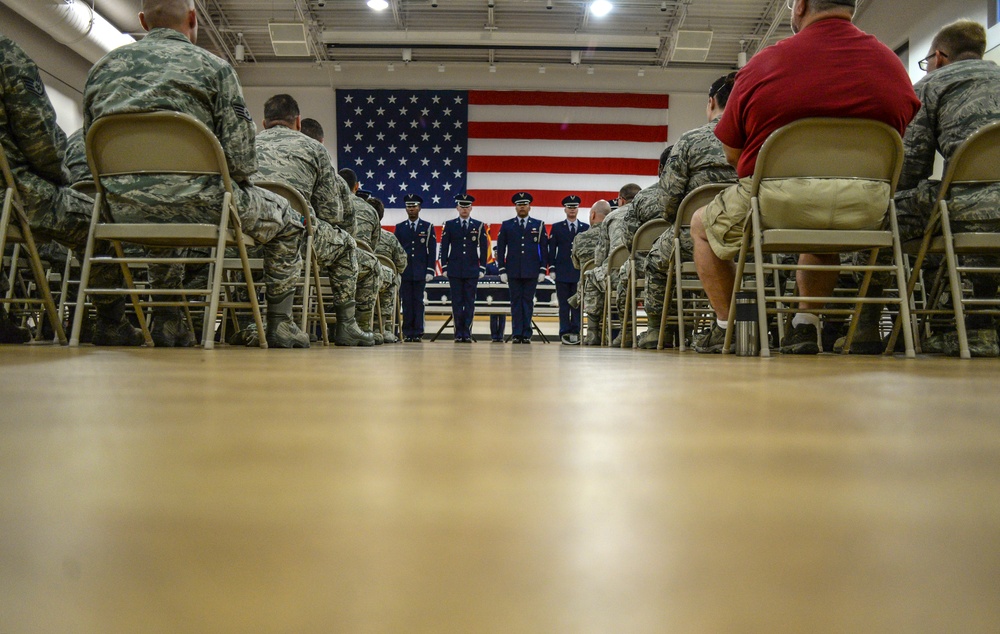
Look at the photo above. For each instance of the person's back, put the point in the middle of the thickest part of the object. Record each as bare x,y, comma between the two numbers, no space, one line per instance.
822,71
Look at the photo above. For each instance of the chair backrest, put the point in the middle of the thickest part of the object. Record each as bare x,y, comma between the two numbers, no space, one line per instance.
8,176
836,154
618,257
647,234
588,265
977,160
696,199
154,143
387,262
293,197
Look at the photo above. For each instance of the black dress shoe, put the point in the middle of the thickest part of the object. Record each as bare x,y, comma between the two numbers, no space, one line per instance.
498,341
515,340
465,340
526,340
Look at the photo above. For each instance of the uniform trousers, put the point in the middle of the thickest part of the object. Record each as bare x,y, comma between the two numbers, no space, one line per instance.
412,297
522,305
569,317
463,304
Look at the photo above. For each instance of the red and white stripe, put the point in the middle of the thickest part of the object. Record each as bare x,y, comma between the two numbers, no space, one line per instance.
553,144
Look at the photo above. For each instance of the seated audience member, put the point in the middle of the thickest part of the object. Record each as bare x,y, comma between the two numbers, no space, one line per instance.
35,147
286,155
166,71
312,129
697,159
959,95
388,246
584,249
829,68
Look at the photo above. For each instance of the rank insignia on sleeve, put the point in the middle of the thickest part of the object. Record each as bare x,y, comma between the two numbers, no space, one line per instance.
35,86
242,112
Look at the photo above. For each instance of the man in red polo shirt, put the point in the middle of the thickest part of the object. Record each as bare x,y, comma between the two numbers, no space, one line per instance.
829,68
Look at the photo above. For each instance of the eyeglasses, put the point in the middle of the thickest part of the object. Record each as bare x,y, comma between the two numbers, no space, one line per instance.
924,64
790,4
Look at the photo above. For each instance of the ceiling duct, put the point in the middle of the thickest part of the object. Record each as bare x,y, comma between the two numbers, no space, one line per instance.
74,24
289,39
692,46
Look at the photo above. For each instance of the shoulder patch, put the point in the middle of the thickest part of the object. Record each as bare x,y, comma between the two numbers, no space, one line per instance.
35,86
242,112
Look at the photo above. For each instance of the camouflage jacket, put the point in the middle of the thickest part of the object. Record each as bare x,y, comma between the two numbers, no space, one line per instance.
366,222
584,245
956,100
165,71
388,246
697,159
29,135
602,241
75,162
291,157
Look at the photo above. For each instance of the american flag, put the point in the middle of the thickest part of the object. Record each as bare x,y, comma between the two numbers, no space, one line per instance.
491,144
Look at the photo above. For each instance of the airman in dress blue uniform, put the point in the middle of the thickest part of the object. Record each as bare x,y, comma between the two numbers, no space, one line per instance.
464,251
418,239
522,250
566,275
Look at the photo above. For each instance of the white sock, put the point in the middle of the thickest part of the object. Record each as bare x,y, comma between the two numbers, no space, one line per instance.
805,318
722,323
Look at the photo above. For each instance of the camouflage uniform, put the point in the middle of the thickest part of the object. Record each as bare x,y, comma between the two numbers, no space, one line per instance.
75,162
594,279
697,159
291,157
370,277
388,246
165,71
35,146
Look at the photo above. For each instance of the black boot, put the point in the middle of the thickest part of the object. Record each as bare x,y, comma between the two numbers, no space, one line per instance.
10,332
112,328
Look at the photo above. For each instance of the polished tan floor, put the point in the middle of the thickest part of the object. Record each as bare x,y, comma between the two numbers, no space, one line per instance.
442,488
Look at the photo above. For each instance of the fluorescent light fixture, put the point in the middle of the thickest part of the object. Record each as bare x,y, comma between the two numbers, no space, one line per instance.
601,8
378,5
289,39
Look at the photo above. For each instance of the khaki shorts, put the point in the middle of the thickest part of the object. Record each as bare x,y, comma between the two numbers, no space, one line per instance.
802,203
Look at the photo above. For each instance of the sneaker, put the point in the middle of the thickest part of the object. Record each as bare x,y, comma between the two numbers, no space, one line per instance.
172,333
802,340
711,340
116,333
284,333
982,343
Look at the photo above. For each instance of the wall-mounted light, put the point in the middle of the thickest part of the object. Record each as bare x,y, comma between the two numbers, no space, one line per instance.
440,68
407,55
336,67
601,8
241,52
493,68
574,58
590,70
391,67
541,70
378,5
642,72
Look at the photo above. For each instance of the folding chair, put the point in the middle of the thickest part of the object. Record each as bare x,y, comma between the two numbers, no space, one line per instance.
310,264
681,273
642,242
15,229
975,162
587,266
618,256
820,149
120,145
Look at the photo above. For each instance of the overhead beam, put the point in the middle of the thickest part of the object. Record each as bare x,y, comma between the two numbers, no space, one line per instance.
489,39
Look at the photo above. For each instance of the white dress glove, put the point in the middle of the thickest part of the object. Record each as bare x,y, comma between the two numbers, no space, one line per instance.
552,275
541,277
503,278
482,274
428,277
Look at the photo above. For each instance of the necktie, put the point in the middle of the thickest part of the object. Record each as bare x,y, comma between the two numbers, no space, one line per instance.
413,227
572,229
465,225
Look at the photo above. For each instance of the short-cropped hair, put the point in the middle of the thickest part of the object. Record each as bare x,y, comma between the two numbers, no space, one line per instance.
629,191
281,108
828,5
312,129
348,175
964,39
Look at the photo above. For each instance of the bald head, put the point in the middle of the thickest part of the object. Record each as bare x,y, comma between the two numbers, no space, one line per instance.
598,211
178,15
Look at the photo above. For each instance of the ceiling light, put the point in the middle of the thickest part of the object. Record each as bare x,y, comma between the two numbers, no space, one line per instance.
548,5
378,5
574,57
391,68
440,68
601,8
407,54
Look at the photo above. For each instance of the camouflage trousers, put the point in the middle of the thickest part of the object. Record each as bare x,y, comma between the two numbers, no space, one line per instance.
337,252
387,298
62,215
622,285
594,285
657,267
369,280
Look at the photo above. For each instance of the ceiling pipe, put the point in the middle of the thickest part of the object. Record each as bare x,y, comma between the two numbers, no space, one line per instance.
74,24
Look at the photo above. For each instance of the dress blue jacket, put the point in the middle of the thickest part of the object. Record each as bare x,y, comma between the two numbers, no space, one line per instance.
522,252
464,252
421,249
561,250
